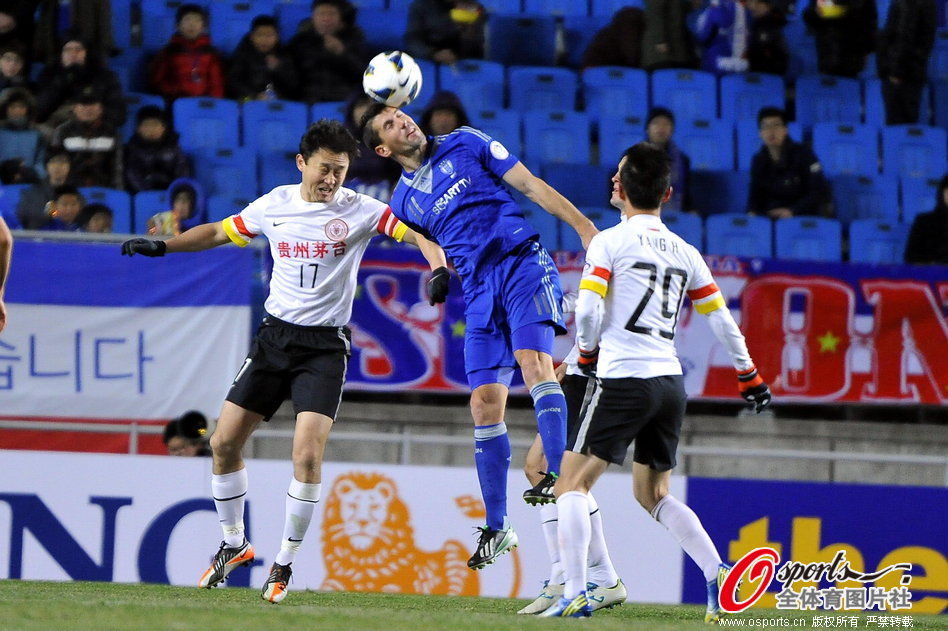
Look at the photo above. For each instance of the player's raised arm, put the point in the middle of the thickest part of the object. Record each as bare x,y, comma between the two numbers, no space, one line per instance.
440,276
203,237
6,251
550,200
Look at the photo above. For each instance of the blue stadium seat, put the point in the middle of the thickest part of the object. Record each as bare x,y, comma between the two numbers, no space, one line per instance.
222,206
121,25
709,144
602,215
543,222
578,32
146,204
609,7
743,94
918,196
228,171
502,125
847,149
9,198
25,144
510,33
615,91
131,68
808,238
802,48
717,192
206,123
277,169
335,110
688,226
874,107
555,137
736,234
872,241
118,201
860,197
384,29
940,97
548,89
749,143
689,94
502,6
230,21
825,99
273,125
158,24
556,7
582,184
134,101
290,16
913,151
616,134
429,83
938,62
478,83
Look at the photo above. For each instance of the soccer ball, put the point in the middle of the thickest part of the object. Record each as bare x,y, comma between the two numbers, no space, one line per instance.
392,78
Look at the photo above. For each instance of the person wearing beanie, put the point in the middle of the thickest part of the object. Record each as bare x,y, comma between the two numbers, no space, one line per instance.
444,114
186,435
153,157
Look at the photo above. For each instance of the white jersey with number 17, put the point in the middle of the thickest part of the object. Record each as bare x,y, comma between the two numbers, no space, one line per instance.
643,271
316,249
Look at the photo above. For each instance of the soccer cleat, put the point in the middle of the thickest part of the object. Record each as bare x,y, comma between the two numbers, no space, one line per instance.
492,544
226,561
274,590
548,595
565,608
606,597
714,611
542,493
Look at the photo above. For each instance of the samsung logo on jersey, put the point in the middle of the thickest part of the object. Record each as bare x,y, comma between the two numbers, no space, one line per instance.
450,194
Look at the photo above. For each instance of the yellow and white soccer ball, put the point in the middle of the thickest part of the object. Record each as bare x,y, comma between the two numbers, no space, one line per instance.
392,78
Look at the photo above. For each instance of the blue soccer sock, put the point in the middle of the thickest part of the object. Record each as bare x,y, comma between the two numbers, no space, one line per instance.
550,406
492,457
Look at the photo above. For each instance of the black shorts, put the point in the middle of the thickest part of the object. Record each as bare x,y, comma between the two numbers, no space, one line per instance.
287,361
648,411
577,389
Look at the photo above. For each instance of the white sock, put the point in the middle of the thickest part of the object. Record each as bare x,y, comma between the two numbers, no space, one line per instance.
601,571
687,530
548,520
301,499
229,490
574,534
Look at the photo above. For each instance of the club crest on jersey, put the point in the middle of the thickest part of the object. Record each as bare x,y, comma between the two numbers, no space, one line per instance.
337,229
446,167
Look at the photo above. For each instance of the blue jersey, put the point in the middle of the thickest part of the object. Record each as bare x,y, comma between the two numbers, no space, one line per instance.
457,198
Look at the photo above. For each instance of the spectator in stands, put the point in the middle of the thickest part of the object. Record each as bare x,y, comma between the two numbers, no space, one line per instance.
659,129
187,209
845,32
187,435
723,31
666,42
32,209
28,140
619,43
445,30
96,218
16,26
369,173
12,69
443,114
260,67
91,19
905,43
93,144
188,65
62,213
767,50
928,239
60,82
329,52
153,157
786,177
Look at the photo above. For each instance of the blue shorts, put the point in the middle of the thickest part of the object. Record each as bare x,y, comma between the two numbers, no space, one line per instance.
515,305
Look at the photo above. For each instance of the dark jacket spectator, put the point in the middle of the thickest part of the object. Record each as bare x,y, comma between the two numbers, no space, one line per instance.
767,51
845,32
64,209
92,19
369,173
329,52
32,210
60,82
928,239
445,30
619,43
27,142
659,129
666,42
16,26
260,67
92,143
97,218
905,44
188,65
153,158
13,69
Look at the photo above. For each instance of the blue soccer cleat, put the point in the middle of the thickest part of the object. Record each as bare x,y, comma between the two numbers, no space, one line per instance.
714,612
565,608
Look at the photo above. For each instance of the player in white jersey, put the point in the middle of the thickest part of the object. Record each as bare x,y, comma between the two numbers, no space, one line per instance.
318,232
639,273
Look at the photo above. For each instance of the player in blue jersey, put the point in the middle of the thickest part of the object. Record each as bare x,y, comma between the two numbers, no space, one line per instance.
452,192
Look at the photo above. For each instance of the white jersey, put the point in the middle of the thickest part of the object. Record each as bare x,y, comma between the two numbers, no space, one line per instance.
643,271
316,249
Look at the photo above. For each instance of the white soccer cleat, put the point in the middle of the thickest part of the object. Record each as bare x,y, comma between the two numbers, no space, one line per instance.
606,597
548,595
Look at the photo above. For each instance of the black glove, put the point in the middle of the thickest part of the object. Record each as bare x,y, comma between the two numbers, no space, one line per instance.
438,285
588,361
753,389
145,247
